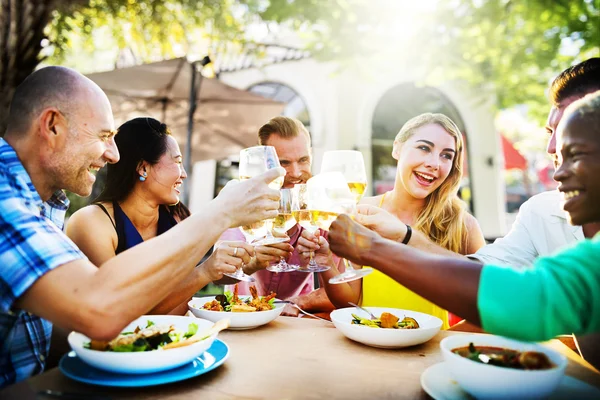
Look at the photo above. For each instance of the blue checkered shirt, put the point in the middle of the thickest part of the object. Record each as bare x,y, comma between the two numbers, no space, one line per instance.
31,244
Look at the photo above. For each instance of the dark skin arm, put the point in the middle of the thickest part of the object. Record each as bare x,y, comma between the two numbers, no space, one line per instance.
451,283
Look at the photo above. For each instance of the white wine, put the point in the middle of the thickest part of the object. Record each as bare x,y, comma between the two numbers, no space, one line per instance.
304,218
276,184
323,219
283,222
357,189
254,231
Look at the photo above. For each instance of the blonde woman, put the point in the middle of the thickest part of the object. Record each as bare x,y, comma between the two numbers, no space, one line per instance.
429,150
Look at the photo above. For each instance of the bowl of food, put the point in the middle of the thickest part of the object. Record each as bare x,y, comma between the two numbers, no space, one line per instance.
392,327
494,367
149,344
243,312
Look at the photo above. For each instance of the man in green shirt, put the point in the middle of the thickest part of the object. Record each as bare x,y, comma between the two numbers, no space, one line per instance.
559,294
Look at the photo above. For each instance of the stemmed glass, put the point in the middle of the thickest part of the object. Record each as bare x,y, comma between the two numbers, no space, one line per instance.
303,216
255,161
352,165
284,222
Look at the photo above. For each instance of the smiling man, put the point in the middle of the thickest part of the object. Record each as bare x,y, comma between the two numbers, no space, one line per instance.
292,143
60,132
558,294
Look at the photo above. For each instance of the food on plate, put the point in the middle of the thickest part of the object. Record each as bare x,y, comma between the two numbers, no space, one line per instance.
501,357
386,320
232,303
152,337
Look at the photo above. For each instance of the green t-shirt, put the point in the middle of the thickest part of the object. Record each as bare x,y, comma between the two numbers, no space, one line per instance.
560,294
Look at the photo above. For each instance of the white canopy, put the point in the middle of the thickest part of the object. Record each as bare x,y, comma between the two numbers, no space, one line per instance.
226,119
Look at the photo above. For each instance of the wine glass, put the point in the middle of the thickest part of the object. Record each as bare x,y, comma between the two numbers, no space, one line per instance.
283,223
255,161
303,216
352,165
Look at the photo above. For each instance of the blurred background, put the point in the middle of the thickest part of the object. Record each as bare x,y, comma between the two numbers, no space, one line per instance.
353,71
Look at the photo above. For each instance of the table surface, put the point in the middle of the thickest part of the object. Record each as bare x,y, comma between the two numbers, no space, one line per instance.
293,358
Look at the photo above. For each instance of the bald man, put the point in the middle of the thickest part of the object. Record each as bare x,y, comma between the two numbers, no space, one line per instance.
60,133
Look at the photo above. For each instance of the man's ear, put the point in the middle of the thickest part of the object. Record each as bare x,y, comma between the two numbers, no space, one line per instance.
52,126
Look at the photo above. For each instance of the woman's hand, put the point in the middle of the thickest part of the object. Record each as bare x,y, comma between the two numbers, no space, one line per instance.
226,258
377,219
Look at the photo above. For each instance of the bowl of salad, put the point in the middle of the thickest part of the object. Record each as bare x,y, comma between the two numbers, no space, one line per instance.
149,344
244,312
391,328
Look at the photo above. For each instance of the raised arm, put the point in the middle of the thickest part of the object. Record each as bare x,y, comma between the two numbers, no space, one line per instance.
99,302
560,294
93,232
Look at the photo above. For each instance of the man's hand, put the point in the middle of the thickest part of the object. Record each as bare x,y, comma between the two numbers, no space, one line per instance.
350,240
317,245
251,200
385,224
226,259
289,310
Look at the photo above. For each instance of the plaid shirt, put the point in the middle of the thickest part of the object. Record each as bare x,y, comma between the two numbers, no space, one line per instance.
31,244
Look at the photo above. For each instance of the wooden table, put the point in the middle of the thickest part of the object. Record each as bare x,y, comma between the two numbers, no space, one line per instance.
292,358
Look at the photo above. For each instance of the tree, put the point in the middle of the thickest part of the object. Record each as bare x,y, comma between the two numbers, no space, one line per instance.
34,29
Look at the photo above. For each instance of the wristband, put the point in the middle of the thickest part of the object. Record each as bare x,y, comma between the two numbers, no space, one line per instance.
408,234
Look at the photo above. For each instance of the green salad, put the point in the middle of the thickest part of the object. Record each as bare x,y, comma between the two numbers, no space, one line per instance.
152,337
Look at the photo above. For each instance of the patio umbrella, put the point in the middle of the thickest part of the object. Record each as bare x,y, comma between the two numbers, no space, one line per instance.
226,118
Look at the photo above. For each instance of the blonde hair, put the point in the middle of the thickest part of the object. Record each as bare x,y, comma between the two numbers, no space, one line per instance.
285,127
442,218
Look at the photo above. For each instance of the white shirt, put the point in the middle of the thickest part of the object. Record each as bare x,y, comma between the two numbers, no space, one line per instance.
541,228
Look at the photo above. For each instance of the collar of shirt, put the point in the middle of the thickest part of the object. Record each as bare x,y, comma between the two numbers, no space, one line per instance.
55,208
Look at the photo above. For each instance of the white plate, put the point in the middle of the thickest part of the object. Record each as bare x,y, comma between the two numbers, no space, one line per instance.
237,320
429,326
437,382
145,361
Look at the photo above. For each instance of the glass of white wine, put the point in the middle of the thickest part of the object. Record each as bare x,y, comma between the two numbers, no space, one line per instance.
255,161
304,216
352,165
282,224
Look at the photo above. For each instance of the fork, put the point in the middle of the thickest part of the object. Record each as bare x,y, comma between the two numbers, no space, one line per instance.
364,309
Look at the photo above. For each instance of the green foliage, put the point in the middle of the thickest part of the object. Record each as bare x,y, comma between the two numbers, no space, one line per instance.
509,49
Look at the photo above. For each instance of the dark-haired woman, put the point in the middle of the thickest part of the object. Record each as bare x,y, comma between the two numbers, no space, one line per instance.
141,201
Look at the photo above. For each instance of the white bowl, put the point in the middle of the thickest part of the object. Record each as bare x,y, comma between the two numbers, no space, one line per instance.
145,361
492,382
238,320
429,326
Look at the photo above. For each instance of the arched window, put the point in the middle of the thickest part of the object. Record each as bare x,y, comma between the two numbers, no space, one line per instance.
295,105
396,107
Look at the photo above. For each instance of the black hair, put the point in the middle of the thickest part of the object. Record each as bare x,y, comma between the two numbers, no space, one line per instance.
138,140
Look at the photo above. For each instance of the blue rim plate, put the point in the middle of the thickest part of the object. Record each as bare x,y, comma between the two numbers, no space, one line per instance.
72,366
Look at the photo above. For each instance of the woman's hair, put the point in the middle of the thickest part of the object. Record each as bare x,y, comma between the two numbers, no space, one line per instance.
138,140
442,219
